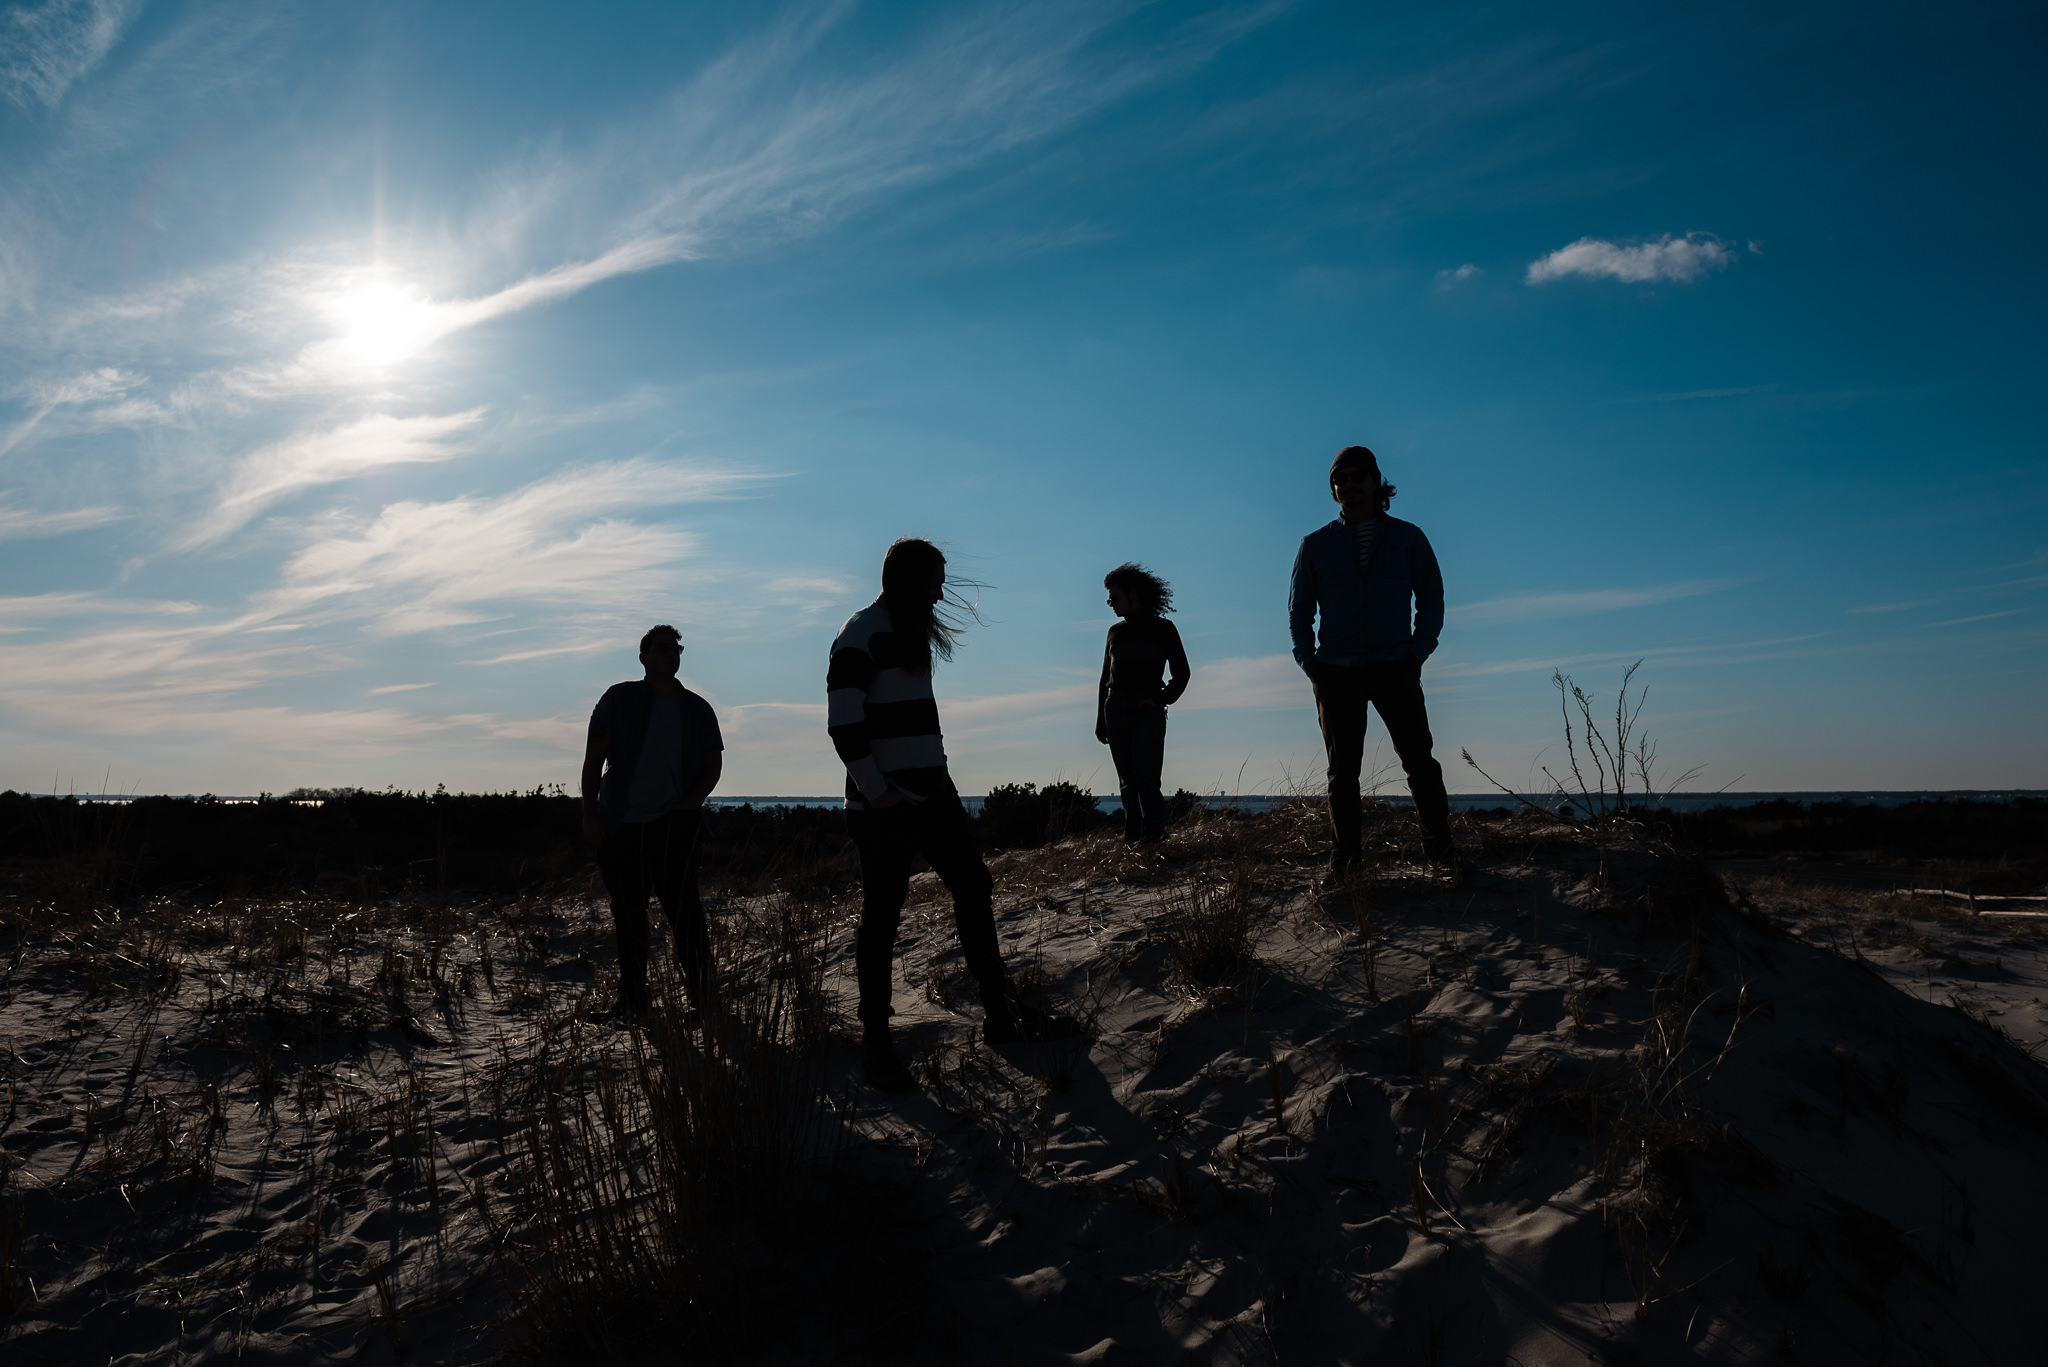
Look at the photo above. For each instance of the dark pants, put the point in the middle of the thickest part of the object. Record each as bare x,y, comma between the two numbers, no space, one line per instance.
1394,688
658,857
1137,746
939,829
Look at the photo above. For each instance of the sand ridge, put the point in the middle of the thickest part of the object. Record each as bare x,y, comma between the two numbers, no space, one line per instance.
1581,1105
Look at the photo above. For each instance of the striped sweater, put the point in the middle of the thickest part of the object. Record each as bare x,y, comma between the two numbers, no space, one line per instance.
883,719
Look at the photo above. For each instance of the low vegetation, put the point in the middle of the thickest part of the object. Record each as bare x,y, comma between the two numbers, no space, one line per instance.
342,1113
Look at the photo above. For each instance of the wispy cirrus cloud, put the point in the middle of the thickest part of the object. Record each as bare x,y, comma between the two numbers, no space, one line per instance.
1947,595
325,457
1687,395
426,566
1680,259
777,138
1980,617
45,49
774,140
1533,606
45,397
20,524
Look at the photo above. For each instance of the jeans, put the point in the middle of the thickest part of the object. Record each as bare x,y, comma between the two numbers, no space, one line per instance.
1137,746
657,857
1394,688
888,839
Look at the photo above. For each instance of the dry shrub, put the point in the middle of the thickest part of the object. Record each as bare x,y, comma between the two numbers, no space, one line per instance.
667,1177
1208,930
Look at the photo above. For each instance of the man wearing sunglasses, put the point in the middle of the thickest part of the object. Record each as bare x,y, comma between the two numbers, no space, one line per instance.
652,757
1360,575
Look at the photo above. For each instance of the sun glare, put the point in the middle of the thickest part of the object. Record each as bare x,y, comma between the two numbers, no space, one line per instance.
381,323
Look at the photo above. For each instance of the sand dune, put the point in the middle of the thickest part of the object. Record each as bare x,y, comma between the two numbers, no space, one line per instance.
1589,1103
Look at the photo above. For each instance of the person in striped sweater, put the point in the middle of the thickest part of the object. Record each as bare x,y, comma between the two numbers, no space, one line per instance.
901,802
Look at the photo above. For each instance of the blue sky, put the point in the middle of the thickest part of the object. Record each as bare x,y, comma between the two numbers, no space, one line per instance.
371,376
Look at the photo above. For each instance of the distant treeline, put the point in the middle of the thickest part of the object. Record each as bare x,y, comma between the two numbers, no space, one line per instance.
354,843
1941,830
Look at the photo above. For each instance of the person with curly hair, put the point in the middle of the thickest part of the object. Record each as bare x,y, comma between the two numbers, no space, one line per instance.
1131,699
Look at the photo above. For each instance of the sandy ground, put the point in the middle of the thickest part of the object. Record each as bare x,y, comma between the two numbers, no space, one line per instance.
1580,1105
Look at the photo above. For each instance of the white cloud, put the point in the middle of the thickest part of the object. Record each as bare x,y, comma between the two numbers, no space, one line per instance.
397,688
765,144
18,524
381,322
1980,617
1248,681
423,566
1668,258
45,397
1686,395
1531,606
45,49
324,457
1450,279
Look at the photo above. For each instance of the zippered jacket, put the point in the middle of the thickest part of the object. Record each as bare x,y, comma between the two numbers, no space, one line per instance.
1394,609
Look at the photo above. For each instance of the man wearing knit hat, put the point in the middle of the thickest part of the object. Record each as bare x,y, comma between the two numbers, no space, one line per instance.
1360,574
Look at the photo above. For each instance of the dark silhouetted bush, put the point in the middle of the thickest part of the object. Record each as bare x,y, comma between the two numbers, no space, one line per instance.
1022,816
349,843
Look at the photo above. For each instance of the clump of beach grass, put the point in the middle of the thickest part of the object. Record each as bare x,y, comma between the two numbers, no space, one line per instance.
665,1176
1208,929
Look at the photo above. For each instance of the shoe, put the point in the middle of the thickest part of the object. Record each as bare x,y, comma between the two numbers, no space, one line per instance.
1335,878
885,1071
1022,1023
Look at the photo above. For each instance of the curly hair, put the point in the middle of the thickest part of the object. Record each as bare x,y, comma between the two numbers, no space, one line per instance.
1153,594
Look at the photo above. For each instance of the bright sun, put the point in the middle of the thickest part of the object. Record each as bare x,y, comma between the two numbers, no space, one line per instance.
381,323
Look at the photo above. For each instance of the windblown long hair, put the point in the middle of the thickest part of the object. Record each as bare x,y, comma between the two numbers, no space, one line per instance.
1152,594
928,630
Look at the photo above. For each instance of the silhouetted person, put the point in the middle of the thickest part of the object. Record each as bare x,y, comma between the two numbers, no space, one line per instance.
901,802
1360,573
1131,701
658,746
